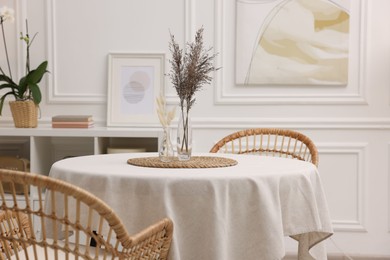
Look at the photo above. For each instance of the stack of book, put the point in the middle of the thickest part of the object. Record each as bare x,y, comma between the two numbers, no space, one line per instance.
72,121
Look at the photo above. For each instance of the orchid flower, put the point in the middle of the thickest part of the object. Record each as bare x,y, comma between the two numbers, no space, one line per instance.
7,14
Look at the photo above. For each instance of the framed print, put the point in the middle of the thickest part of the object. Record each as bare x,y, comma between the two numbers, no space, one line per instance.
134,82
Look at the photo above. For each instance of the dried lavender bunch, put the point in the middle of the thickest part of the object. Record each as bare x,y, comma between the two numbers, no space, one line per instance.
190,68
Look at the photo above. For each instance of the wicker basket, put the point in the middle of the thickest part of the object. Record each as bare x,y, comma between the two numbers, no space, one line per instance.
16,164
24,113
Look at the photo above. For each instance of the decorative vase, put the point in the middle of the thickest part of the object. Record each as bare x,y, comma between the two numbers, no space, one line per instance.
184,135
24,113
166,152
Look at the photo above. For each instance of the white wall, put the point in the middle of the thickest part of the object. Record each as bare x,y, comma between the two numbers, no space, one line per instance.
350,124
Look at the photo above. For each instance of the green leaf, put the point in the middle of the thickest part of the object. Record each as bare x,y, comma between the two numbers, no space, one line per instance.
26,83
2,101
6,85
1,104
22,88
6,79
23,81
36,93
36,75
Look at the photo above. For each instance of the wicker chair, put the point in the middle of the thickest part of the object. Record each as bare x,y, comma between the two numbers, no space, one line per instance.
9,226
93,232
269,142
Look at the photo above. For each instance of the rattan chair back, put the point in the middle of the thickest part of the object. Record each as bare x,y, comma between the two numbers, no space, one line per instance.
269,142
82,226
13,224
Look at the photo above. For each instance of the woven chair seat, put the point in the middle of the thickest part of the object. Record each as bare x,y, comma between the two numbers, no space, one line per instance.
61,253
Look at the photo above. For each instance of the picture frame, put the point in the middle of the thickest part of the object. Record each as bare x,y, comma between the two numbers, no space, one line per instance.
135,80
229,92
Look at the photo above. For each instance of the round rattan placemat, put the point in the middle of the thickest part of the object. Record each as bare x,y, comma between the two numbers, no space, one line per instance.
194,162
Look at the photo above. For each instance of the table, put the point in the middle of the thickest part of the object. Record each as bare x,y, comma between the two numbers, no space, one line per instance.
227,213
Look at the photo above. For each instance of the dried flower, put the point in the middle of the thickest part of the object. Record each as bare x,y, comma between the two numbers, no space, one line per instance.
164,116
190,68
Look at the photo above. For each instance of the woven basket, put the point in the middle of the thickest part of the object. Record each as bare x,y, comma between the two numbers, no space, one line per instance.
24,113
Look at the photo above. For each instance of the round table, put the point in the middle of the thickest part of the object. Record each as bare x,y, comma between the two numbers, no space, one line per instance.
223,213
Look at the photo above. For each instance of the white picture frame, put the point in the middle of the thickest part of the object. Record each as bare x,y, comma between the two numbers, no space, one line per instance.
135,80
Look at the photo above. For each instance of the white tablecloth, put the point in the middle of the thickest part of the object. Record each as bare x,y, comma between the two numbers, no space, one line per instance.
229,213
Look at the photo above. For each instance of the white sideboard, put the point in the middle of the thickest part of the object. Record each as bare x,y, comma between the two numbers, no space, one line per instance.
45,145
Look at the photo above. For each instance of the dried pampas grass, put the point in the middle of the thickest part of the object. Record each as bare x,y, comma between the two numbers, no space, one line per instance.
190,68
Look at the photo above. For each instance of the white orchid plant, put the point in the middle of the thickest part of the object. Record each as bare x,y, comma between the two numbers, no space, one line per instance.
27,87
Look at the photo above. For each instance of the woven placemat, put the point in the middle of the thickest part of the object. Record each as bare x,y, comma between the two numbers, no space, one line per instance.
194,162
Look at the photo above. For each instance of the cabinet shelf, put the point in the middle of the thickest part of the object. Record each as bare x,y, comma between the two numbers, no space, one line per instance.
96,131
45,145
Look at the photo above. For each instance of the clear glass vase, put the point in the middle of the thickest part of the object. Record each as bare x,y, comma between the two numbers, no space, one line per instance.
184,135
166,153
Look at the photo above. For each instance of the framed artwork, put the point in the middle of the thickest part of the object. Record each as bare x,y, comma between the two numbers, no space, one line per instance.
134,82
292,42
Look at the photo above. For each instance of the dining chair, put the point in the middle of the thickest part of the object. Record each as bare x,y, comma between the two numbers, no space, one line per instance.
82,226
9,226
269,142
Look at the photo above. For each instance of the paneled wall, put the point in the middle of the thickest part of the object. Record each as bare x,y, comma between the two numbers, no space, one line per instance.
350,124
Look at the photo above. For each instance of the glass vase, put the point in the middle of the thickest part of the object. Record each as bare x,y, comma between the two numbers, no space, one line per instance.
184,135
166,152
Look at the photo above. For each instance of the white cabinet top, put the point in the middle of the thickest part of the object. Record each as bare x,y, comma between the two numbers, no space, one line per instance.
95,131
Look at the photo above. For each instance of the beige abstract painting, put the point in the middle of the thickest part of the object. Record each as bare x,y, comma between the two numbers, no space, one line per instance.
292,42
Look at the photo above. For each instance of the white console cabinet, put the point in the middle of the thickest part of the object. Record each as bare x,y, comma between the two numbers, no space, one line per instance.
45,145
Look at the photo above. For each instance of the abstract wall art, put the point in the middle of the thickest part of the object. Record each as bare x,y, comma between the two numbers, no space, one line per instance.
292,42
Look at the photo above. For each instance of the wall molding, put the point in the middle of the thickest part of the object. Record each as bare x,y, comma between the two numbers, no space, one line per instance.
21,9
388,189
322,95
222,96
366,123
54,94
190,19
359,150
292,256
